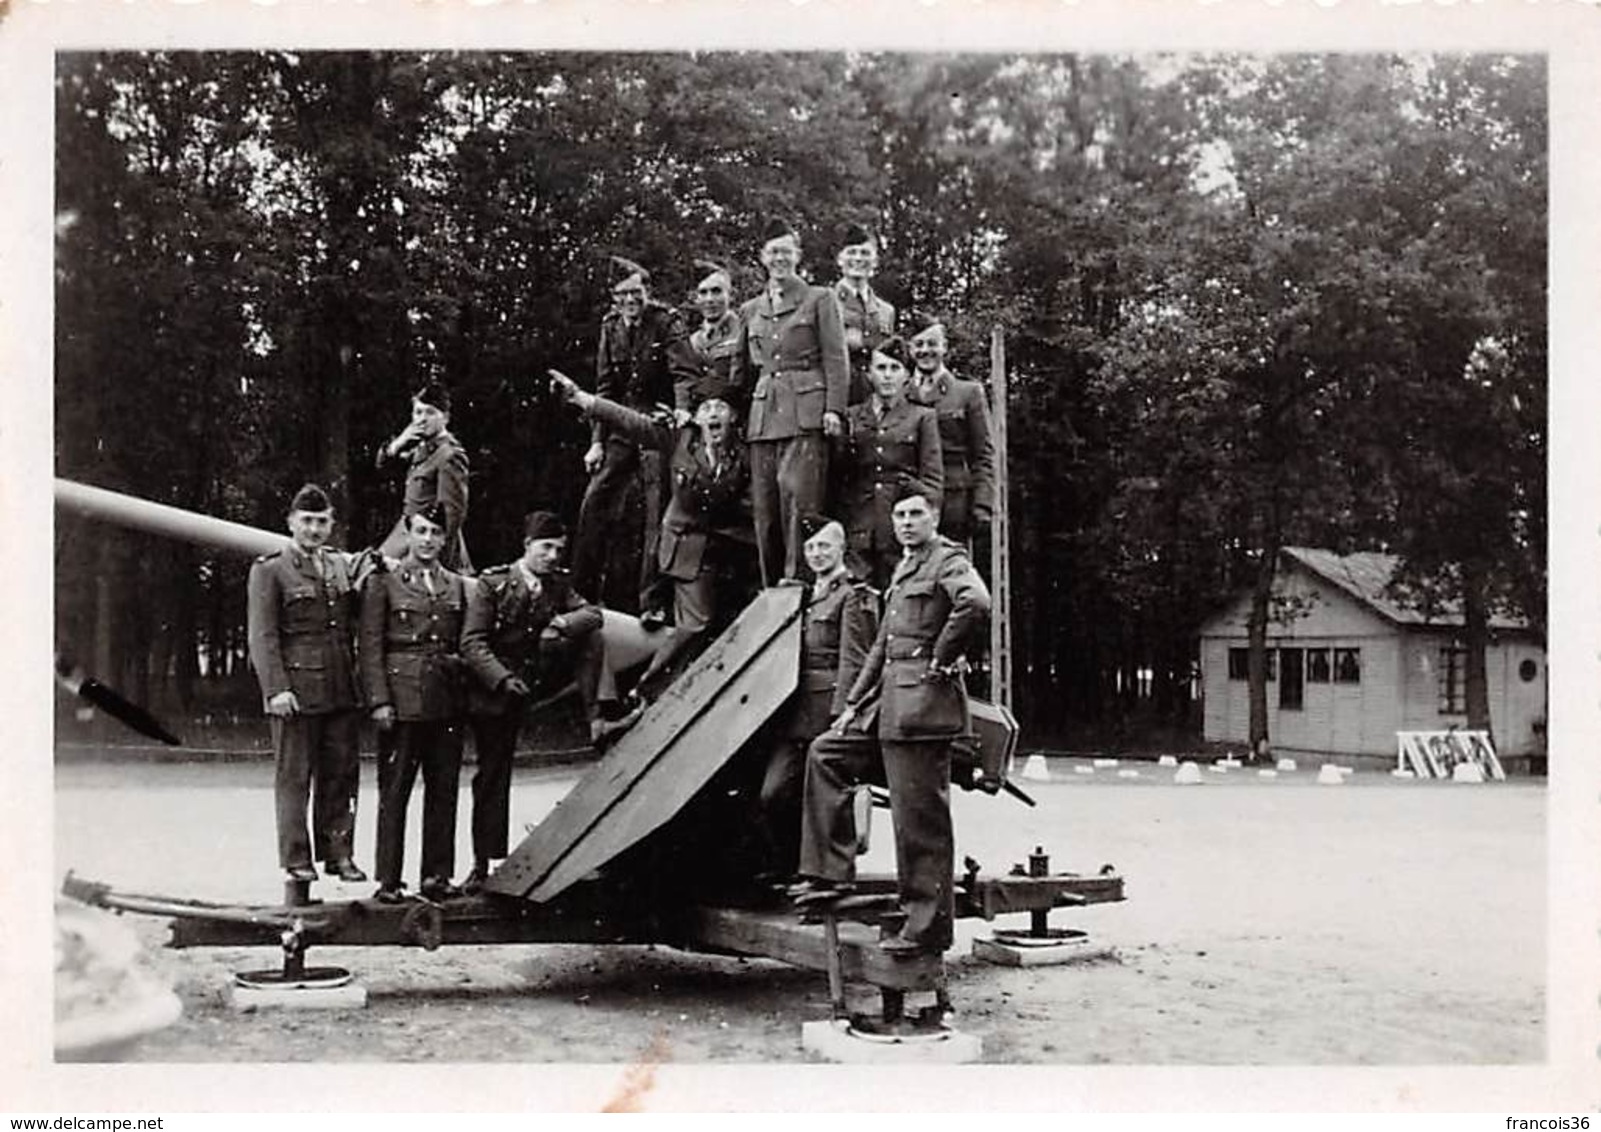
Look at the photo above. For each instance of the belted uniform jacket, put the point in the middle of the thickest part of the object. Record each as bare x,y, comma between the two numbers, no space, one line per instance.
839,629
411,641
714,346
436,472
967,442
791,361
505,622
648,364
706,497
884,453
934,610
301,629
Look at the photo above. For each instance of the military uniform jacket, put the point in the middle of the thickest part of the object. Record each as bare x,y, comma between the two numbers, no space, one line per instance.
301,631
437,473
706,497
714,346
411,641
791,361
935,607
839,630
967,442
644,365
883,454
504,623
868,320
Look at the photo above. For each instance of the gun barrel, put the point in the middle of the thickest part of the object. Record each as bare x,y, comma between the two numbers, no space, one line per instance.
158,518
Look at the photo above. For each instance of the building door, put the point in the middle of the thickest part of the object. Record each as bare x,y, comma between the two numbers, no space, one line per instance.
1291,679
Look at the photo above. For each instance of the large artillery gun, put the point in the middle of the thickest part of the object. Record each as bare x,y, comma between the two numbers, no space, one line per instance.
649,844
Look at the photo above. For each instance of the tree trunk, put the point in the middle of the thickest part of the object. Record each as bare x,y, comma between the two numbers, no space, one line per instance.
1476,638
1256,646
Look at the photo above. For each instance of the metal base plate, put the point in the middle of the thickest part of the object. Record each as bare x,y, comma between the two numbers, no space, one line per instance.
839,1041
312,978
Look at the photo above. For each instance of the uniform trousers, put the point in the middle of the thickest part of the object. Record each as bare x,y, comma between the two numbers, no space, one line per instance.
918,774
602,554
495,742
782,785
956,513
434,747
788,482
315,752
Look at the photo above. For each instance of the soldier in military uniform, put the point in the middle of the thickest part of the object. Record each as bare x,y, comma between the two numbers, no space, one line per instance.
643,361
300,632
715,341
867,317
702,547
841,622
792,363
436,472
967,440
890,443
527,634
411,668
900,719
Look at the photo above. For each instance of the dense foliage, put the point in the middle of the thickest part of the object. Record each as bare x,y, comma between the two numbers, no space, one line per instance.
1248,302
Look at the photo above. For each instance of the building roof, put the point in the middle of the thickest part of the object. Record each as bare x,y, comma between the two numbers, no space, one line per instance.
1366,576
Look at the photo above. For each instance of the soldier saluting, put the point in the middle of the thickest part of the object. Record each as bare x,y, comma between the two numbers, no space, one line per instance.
300,633
411,623
436,472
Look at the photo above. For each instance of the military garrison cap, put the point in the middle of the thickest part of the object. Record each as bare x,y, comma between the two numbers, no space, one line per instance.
311,498
625,270
543,525
813,525
922,321
434,513
895,347
712,267
434,394
777,228
910,489
858,234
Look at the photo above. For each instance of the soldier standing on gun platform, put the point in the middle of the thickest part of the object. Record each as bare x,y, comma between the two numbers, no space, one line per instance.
411,622
643,361
966,438
300,632
901,716
867,318
792,365
841,620
436,473
527,634
715,341
890,443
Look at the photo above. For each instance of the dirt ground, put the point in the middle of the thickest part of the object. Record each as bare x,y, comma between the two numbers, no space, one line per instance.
1268,923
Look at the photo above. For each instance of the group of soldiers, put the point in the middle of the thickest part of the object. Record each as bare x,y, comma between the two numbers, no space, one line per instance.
795,439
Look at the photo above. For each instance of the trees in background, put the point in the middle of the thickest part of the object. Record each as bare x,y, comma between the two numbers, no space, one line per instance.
1249,302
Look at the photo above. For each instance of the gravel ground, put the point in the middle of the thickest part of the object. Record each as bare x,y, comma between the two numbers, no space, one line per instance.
1268,923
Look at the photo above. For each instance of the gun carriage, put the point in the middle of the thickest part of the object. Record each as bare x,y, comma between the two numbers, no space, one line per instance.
645,846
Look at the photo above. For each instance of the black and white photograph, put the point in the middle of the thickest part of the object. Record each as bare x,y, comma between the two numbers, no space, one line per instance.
962,562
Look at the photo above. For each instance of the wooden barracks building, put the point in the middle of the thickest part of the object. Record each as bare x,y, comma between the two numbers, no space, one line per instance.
1354,666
